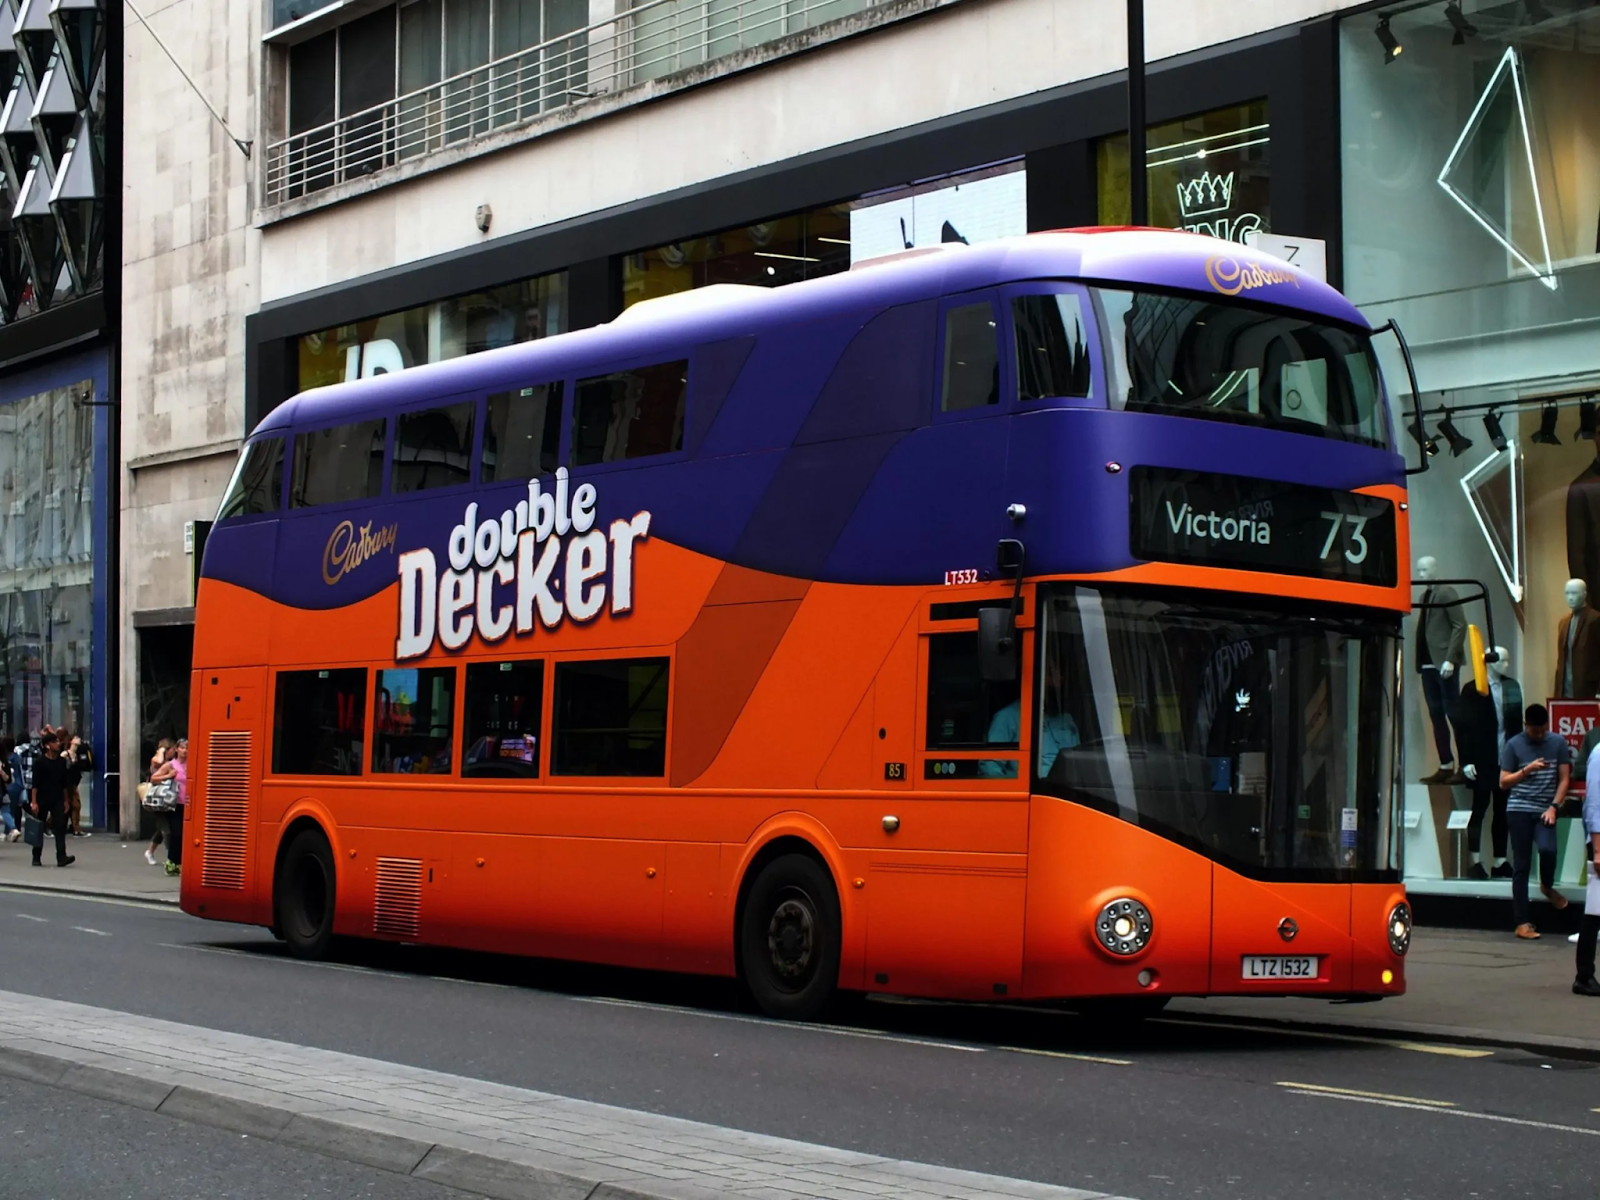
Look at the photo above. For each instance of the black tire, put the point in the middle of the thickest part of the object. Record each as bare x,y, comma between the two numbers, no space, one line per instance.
304,894
789,939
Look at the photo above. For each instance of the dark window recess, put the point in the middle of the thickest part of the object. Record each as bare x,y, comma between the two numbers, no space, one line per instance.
610,717
413,715
366,80
342,463
505,708
313,95
966,610
257,485
964,711
522,438
433,449
630,414
971,358
318,722
1052,346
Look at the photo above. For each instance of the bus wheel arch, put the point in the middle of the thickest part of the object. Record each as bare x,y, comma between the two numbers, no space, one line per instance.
305,888
788,929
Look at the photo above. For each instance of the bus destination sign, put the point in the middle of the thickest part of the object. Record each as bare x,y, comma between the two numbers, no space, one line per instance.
1262,525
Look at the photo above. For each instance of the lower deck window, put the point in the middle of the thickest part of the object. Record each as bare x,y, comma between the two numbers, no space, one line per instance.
318,722
413,716
505,707
610,717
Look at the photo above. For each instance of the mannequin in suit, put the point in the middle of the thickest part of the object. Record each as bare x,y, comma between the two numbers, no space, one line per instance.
1441,644
1578,646
1482,724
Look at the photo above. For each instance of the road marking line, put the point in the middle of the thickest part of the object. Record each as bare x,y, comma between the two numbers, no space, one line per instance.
286,960
1357,1093
29,917
1322,1035
1429,1107
836,1030
86,929
1093,1058
123,901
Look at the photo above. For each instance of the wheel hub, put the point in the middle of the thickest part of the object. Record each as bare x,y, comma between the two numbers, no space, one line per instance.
792,937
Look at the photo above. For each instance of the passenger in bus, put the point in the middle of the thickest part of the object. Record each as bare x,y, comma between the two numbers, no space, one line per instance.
1057,730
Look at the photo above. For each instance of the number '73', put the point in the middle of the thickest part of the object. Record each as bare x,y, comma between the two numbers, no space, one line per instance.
1356,549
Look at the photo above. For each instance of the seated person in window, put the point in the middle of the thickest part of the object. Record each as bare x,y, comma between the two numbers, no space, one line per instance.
1057,730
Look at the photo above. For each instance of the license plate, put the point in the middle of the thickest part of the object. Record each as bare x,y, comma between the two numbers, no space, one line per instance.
1279,966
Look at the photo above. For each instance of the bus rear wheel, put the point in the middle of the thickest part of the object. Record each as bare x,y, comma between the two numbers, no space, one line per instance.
304,899
789,939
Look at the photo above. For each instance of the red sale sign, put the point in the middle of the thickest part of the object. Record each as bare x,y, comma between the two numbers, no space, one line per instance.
1572,720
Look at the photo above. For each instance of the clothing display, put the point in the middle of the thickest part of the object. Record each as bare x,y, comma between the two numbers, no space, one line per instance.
1578,648
1441,638
1483,724
1583,526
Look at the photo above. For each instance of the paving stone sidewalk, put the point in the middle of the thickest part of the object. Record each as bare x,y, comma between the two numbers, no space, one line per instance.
106,866
480,1137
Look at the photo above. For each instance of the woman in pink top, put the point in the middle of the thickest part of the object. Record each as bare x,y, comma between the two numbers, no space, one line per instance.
176,768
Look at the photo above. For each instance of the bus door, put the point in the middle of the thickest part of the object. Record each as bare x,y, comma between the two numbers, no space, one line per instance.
224,781
948,873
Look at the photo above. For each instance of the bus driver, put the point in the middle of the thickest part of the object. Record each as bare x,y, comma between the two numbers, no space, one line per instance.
1057,730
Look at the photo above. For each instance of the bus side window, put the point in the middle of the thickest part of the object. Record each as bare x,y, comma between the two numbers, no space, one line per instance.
610,717
413,717
342,463
433,448
630,414
318,722
1052,346
522,436
257,485
966,712
505,711
971,375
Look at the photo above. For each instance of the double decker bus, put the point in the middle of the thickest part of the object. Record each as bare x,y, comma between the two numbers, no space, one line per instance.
1017,621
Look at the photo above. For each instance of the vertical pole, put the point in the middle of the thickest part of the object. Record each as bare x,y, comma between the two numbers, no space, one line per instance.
1138,182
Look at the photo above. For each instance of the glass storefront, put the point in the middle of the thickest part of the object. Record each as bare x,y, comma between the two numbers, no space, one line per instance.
486,320
46,560
1471,195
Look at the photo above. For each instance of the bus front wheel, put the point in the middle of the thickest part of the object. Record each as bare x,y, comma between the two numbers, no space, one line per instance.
304,902
789,938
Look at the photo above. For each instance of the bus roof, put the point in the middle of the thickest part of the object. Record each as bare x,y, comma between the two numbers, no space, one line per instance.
1150,257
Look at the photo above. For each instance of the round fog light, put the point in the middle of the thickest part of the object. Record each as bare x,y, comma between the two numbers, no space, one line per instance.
1400,929
1123,927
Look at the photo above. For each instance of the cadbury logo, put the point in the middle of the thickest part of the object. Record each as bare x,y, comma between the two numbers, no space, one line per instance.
1230,277
349,547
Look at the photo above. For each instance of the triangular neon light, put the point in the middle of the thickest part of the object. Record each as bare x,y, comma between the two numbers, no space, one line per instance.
1510,64
1500,524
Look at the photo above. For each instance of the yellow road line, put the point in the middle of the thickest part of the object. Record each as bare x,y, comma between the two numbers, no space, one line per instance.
1339,1091
1094,1058
1323,1035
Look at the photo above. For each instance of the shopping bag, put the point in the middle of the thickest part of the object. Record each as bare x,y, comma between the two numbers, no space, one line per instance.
32,830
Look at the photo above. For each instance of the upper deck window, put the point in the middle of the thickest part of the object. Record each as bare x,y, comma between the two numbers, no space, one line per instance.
257,484
1052,346
1224,361
433,449
522,437
342,463
971,358
630,414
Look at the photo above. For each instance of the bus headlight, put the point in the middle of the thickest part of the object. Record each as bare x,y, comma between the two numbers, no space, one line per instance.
1123,927
1400,929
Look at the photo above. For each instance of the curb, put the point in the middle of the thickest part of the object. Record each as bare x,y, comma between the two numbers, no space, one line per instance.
89,893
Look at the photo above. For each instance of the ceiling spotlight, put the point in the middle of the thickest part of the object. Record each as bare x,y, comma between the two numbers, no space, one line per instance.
1491,426
1459,442
1547,427
1536,11
1420,435
1586,420
1391,44
1458,21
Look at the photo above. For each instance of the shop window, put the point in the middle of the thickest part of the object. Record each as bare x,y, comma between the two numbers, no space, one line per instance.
522,437
1052,346
971,358
318,722
257,485
433,448
504,711
333,465
610,718
630,414
967,712
412,718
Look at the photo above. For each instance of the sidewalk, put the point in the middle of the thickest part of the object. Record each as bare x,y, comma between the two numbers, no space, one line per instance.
106,866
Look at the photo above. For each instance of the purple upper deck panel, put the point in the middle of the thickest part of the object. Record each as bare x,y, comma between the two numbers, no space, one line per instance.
812,445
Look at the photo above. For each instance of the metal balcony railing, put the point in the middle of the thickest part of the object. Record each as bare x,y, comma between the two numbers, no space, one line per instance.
647,41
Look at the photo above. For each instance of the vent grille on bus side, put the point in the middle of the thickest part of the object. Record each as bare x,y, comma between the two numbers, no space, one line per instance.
399,900
227,801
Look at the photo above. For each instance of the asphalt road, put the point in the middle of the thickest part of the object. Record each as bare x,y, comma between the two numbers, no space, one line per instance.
1176,1108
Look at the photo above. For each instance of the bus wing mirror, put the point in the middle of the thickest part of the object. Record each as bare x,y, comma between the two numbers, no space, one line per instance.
997,645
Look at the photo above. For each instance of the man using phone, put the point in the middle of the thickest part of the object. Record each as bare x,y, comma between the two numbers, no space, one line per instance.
1535,769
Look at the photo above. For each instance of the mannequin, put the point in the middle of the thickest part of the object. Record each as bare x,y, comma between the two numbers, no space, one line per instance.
1578,646
1482,724
1441,644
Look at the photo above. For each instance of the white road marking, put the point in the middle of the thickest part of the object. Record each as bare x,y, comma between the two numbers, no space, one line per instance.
1323,1035
1093,1058
286,960
121,901
1430,1107
1320,1088
836,1030
30,917
86,929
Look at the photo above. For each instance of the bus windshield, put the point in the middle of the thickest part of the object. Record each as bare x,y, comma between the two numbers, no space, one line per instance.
1263,739
1225,361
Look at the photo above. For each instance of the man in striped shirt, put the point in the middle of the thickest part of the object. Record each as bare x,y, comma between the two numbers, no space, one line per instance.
1536,769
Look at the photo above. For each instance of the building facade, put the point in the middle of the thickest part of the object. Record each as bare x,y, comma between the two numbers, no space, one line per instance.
59,145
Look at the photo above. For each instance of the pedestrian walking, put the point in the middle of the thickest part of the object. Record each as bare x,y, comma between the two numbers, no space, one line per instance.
49,797
17,789
157,761
1584,983
176,769
1536,770
10,815
80,762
